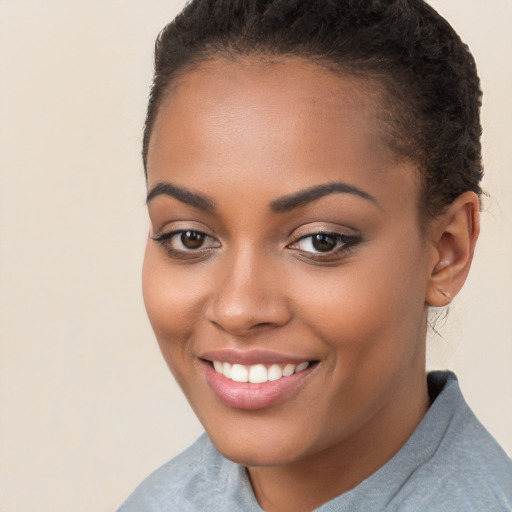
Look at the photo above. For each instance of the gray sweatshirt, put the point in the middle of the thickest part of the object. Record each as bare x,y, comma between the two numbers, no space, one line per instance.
449,464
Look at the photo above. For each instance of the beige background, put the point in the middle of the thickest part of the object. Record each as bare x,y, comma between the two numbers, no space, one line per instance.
87,405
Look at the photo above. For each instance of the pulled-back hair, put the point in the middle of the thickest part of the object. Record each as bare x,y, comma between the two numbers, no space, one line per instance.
432,93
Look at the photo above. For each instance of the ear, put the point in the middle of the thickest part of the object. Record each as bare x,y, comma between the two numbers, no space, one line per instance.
453,236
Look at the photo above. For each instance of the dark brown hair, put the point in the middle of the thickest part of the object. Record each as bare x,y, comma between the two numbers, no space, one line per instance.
433,96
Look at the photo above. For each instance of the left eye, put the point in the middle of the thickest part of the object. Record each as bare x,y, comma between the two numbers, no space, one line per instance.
319,243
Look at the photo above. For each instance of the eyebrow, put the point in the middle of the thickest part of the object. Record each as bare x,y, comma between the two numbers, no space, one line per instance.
183,194
306,196
281,205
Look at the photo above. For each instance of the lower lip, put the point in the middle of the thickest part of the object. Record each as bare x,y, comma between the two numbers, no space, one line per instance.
244,395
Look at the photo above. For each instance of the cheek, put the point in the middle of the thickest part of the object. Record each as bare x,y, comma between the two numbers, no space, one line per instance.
173,299
368,312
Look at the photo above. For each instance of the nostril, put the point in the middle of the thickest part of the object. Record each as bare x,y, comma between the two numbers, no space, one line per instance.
243,317
262,324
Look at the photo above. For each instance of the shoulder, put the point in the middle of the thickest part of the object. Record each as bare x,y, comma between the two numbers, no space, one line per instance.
186,480
467,470
468,474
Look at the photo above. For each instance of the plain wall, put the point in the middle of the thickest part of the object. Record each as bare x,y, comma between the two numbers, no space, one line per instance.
88,407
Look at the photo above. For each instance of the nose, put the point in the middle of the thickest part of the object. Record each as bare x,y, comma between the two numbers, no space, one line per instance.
249,296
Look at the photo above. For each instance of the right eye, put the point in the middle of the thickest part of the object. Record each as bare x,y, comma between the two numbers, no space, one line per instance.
186,242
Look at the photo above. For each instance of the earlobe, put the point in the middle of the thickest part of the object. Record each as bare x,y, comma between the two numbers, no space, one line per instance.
453,236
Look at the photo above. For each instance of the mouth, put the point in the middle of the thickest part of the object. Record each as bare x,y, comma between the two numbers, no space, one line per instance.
257,385
258,373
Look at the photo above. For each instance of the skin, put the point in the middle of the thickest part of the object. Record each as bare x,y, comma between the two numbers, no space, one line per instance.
243,134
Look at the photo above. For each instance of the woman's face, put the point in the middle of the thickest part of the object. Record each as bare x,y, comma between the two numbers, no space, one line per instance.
285,238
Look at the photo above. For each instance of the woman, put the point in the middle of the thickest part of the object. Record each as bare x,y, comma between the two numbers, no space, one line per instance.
313,174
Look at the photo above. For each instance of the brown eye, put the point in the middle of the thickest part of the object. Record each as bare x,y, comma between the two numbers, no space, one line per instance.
187,244
192,239
323,243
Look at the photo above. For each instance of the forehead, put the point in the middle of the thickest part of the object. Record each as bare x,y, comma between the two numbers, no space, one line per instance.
289,121
252,89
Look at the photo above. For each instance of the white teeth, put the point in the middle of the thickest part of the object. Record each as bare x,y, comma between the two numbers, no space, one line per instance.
301,366
288,370
239,373
226,370
275,372
257,373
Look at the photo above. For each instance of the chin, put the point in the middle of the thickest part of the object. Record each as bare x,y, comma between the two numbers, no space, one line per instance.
256,455
265,446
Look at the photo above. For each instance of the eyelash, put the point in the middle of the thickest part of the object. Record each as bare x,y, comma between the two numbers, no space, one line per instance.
165,240
344,244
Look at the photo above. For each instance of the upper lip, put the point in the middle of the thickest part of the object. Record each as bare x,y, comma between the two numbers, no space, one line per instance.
250,357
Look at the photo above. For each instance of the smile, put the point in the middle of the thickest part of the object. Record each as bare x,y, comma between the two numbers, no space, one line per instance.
257,373
257,385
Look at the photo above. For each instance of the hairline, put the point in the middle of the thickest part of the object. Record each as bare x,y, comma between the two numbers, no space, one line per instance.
380,81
